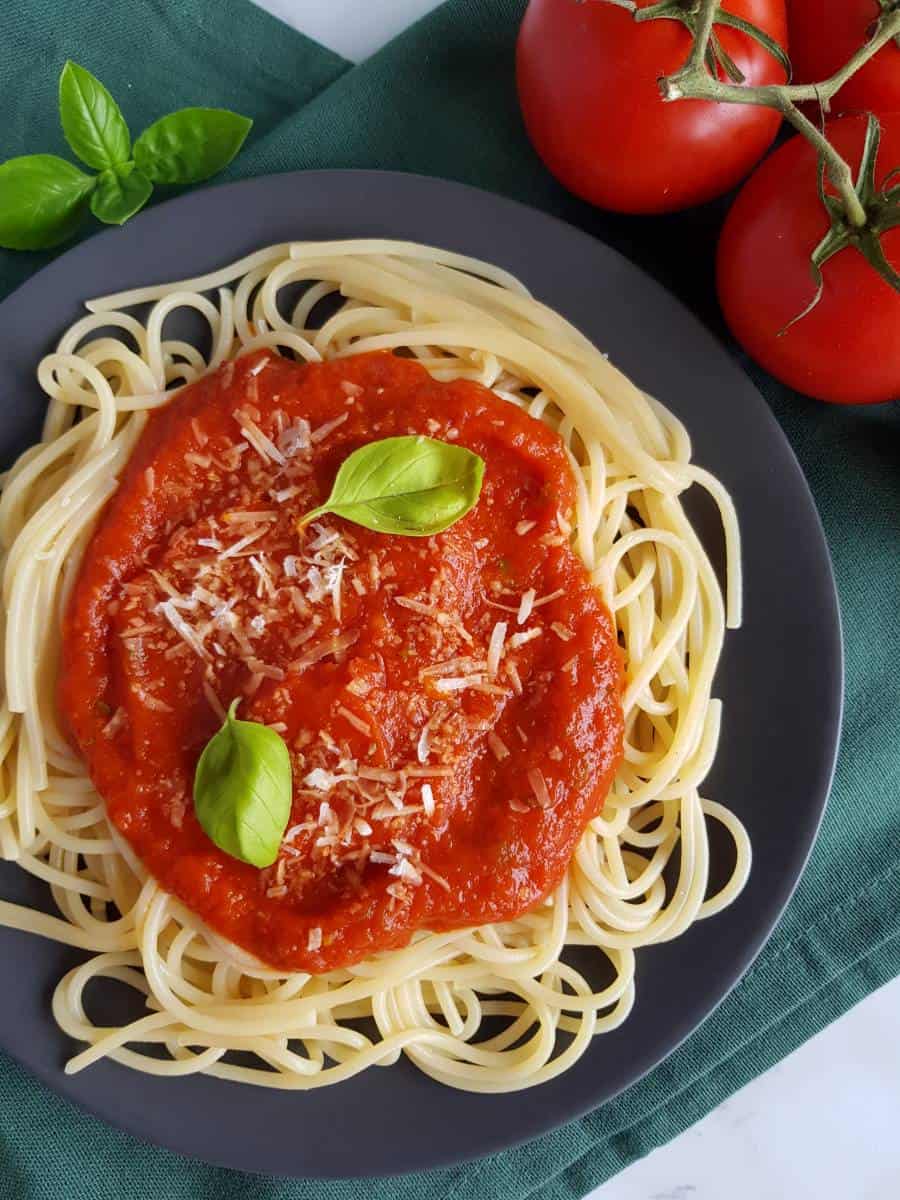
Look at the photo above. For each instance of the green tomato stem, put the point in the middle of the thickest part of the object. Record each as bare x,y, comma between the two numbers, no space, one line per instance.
694,82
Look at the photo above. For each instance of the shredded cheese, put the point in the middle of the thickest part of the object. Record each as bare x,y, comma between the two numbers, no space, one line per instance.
497,746
322,432
525,606
522,639
428,799
354,720
495,647
538,785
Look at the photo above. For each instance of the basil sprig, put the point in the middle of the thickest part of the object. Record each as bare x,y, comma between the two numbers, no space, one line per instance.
44,198
242,790
414,486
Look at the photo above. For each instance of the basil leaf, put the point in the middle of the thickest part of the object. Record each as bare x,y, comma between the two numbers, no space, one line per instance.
190,145
242,790
91,119
410,485
120,194
43,200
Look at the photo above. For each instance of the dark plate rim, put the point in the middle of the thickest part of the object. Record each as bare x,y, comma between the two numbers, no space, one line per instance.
831,704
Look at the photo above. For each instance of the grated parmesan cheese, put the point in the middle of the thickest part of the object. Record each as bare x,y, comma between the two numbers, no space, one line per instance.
115,723
322,432
538,785
522,639
438,879
332,645
251,432
233,518
214,702
525,606
457,683
428,799
495,647
354,720
234,550
379,856
184,631
497,746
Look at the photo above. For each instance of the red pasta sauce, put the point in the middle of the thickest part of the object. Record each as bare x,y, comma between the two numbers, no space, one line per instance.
435,786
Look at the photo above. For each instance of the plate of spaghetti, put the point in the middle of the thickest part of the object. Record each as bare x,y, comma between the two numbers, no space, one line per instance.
422,674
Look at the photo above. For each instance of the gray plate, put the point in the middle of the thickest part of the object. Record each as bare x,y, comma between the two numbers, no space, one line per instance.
788,650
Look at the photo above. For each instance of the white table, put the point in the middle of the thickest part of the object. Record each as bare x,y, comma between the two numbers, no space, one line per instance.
822,1125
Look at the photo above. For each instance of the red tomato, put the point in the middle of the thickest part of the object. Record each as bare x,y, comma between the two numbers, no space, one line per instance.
587,76
824,36
847,349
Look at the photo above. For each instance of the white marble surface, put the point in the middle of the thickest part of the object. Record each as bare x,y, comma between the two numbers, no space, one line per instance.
825,1123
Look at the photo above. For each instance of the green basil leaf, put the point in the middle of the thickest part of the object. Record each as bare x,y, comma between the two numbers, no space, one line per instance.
190,145
410,485
91,119
120,194
242,790
43,200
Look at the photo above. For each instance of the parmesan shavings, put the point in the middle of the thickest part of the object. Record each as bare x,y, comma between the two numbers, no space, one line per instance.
465,664
428,799
294,438
354,720
152,702
404,869
234,550
184,631
213,700
379,856
497,746
513,672
333,645
234,518
438,879
522,639
264,446
281,494
525,606
495,647
524,527
266,583
538,785
457,683
263,669
322,432
115,723
562,632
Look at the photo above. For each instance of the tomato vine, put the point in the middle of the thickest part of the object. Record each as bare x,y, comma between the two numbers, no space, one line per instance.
860,212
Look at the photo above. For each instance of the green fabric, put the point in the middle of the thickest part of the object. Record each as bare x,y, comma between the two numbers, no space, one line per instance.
440,99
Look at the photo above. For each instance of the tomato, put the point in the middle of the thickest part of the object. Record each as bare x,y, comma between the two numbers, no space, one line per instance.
825,34
587,78
846,349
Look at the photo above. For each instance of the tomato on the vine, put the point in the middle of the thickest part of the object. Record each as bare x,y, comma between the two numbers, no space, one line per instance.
825,34
587,77
846,348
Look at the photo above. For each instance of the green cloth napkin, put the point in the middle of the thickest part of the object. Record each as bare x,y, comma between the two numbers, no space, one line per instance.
440,99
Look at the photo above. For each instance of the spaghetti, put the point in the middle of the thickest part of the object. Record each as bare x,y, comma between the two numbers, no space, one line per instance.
492,1008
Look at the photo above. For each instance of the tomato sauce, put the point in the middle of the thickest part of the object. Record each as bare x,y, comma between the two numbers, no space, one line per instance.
443,769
